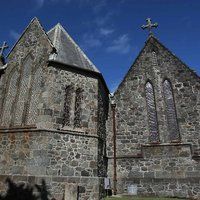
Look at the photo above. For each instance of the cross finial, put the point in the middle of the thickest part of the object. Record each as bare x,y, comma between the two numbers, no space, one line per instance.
149,26
5,46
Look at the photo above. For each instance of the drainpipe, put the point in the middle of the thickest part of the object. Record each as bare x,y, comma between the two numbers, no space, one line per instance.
113,107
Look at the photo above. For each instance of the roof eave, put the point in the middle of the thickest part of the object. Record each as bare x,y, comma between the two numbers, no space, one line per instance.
74,67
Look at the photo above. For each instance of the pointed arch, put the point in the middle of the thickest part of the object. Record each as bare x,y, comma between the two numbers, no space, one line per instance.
9,97
173,128
32,111
152,114
78,108
67,105
24,87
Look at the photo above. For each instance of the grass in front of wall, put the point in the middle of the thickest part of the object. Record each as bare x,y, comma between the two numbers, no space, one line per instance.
140,198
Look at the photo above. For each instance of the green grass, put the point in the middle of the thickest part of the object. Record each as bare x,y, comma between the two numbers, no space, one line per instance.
140,198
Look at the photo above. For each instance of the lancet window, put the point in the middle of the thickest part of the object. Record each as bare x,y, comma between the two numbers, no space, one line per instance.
78,109
67,105
152,115
171,112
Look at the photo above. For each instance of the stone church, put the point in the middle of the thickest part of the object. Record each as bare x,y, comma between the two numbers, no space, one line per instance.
57,122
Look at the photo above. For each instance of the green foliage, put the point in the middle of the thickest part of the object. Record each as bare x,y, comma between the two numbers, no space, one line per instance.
25,192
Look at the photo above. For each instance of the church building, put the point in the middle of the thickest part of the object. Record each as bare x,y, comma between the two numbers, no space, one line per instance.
156,150
59,123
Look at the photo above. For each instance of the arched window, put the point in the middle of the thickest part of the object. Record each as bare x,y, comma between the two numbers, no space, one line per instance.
152,115
35,95
10,98
78,110
67,105
23,91
171,112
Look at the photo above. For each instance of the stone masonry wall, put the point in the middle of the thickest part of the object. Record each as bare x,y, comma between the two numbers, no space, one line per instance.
60,157
103,103
161,170
156,64
19,87
34,140
52,104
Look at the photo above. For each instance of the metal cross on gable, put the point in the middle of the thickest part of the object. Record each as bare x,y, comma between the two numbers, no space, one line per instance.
5,46
149,26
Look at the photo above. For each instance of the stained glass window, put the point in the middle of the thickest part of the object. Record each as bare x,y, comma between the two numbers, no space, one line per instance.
77,111
171,112
152,115
67,105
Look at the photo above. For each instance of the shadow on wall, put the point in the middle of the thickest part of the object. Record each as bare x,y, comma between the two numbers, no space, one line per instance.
25,192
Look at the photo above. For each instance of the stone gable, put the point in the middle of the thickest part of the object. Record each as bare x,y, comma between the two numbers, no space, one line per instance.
56,121
53,119
23,78
157,105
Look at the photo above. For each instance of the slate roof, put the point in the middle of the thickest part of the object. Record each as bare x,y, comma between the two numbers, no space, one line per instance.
67,51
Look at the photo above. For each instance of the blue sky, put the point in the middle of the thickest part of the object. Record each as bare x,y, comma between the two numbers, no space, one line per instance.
109,30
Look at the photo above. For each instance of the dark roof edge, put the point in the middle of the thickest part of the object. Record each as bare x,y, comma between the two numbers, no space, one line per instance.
73,67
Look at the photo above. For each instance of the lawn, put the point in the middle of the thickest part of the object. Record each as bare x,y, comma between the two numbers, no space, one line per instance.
140,198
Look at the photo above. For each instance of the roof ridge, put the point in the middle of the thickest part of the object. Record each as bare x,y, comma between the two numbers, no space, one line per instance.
77,47
78,50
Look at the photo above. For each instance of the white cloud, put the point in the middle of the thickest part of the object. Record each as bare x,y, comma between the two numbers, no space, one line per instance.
103,20
99,5
14,35
89,41
54,1
95,5
120,45
39,4
106,32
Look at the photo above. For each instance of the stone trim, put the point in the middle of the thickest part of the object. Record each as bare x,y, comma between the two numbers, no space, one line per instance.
165,144
141,155
54,178
127,156
34,129
192,179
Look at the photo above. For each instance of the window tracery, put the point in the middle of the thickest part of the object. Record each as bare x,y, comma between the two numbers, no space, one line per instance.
78,109
67,105
171,112
152,115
